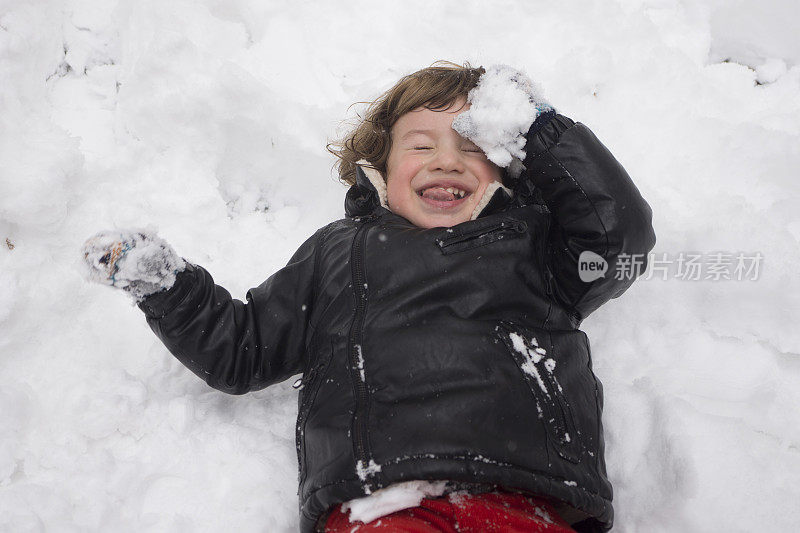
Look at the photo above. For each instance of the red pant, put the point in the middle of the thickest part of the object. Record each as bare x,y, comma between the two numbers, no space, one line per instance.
462,513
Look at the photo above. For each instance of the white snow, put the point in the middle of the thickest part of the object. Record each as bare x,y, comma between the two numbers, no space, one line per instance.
535,354
770,70
392,499
532,356
544,515
360,362
209,120
365,470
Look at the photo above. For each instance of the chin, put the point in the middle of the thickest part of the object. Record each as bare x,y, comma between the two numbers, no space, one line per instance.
441,221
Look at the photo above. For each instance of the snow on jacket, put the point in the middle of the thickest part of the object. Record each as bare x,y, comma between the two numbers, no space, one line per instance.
439,354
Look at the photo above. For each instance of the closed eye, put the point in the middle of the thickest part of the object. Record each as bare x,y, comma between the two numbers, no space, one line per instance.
472,148
422,148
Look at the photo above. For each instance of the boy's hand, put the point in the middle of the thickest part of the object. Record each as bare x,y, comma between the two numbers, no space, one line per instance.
136,261
503,106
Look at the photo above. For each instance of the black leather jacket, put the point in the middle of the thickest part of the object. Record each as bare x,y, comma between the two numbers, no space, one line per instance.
436,353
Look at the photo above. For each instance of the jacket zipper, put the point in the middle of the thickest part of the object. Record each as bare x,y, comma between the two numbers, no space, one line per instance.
548,283
482,235
356,356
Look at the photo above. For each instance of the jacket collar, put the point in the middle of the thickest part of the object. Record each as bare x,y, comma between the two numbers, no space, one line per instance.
362,198
368,195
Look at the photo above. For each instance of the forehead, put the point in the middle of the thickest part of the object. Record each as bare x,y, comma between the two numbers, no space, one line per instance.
424,118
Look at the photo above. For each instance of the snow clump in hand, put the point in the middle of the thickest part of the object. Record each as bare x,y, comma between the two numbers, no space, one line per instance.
503,106
137,261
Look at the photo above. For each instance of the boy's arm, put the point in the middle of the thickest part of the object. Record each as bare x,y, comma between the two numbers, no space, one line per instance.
595,207
234,346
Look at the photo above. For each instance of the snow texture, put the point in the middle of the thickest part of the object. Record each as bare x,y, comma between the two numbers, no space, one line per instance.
135,260
392,499
532,355
209,120
544,515
364,471
360,361
503,106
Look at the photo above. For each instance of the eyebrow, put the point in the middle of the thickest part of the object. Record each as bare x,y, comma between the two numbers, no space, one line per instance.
414,132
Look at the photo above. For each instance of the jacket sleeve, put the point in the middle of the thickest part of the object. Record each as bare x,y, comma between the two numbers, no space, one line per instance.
238,347
594,205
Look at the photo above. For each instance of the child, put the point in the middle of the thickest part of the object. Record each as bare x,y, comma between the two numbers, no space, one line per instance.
445,380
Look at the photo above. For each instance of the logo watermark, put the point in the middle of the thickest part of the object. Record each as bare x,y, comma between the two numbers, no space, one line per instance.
684,266
591,266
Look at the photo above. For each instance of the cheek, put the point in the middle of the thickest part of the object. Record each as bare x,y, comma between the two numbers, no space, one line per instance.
400,173
497,173
487,172
494,173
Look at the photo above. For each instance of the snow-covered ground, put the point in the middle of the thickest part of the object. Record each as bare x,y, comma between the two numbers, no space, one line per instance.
209,119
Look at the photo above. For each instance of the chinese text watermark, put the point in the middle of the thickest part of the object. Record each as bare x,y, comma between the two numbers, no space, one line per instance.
685,266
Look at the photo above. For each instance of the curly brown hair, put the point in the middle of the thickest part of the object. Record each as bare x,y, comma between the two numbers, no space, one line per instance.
436,87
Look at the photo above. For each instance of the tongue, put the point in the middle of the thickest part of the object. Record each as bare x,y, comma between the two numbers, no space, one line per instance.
435,193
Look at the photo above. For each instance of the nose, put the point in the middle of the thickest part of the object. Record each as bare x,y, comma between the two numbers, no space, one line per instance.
448,159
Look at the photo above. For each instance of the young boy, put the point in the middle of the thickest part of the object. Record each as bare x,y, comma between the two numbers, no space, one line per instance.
436,326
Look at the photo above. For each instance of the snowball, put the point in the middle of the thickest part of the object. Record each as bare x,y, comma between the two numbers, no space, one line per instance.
503,106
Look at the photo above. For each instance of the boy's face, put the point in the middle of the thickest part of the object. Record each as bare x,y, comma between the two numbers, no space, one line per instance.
428,157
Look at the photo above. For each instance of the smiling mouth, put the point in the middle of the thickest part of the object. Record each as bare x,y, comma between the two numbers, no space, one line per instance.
438,193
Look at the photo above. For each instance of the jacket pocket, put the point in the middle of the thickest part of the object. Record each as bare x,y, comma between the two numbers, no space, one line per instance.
479,233
309,385
537,366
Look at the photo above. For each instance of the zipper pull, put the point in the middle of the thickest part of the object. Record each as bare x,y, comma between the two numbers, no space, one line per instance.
548,280
520,226
298,384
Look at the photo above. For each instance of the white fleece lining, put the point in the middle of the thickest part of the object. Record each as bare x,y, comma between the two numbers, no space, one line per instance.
487,196
379,183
